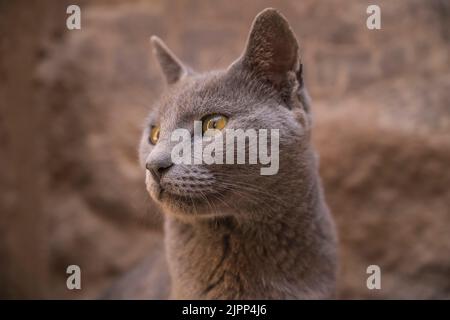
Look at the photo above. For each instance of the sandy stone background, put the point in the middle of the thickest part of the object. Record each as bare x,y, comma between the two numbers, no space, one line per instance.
72,105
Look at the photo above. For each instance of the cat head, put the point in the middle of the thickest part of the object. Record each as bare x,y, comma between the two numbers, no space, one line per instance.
263,89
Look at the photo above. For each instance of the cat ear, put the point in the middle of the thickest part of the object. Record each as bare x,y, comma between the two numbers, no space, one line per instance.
272,50
172,68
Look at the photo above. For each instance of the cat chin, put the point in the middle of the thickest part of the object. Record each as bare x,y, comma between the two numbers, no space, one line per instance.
179,204
190,217
187,208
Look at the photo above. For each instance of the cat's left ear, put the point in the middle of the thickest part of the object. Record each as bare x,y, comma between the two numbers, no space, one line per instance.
172,68
271,53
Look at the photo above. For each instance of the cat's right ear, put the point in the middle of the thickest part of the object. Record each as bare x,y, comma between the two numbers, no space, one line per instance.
172,68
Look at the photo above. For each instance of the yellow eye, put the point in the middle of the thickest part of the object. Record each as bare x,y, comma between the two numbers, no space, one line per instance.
214,122
154,135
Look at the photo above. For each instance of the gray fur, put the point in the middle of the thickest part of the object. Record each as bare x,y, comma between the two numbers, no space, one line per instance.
231,233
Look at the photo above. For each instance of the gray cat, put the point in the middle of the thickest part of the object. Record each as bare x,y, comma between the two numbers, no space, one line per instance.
230,232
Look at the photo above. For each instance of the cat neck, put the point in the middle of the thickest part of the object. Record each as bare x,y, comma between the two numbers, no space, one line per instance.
288,254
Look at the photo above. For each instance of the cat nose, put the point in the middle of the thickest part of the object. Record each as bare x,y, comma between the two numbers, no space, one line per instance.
158,168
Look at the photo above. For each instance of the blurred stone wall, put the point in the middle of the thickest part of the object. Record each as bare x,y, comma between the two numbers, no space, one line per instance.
71,191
